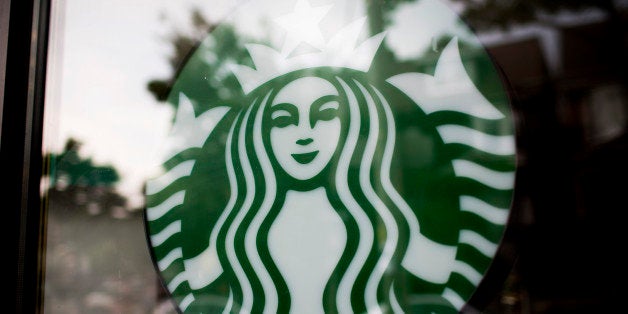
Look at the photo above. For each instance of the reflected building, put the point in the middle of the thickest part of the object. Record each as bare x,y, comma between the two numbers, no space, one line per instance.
568,83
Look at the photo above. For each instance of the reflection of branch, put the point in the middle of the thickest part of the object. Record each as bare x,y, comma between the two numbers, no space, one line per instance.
216,85
160,89
183,42
378,13
375,16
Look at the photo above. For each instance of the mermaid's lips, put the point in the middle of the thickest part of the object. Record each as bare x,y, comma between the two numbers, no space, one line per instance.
305,158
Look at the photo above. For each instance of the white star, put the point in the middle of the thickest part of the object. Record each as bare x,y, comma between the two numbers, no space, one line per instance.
302,26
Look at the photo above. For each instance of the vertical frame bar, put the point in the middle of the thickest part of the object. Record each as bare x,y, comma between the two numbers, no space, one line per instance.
21,153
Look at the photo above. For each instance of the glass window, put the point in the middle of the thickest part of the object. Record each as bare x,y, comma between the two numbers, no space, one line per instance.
470,154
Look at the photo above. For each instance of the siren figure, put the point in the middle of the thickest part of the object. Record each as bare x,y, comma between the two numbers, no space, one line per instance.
313,222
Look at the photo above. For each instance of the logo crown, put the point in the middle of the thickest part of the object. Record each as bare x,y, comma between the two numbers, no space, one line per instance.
342,50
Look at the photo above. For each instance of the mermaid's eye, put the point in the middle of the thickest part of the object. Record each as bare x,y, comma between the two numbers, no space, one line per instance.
284,114
324,109
280,114
328,111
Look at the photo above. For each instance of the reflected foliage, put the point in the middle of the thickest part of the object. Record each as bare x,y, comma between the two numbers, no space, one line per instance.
182,43
218,82
71,169
93,264
76,183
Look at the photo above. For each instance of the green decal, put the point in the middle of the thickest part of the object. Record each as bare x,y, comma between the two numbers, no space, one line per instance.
332,179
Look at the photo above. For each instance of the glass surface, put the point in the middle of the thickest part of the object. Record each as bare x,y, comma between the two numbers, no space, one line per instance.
103,127
117,71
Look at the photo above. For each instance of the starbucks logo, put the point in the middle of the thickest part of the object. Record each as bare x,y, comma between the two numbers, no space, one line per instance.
319,183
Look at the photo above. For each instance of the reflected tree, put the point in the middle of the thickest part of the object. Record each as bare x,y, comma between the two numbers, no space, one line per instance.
89,227
78,184
182,43
218,83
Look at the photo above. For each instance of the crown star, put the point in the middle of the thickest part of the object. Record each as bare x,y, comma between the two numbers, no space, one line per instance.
302,26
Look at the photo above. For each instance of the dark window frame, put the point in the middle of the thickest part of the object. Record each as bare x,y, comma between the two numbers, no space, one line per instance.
23,50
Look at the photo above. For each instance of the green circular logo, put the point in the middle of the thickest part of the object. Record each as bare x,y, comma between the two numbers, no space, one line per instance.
322,172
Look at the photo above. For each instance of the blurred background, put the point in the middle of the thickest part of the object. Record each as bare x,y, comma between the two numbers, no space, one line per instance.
564,63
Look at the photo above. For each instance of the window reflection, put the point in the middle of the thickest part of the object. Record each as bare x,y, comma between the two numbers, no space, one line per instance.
564,61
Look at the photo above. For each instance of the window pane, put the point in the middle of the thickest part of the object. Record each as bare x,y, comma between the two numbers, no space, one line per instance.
152,113
104,125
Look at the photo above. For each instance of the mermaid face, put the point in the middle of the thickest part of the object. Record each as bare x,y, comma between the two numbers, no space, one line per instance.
305,127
